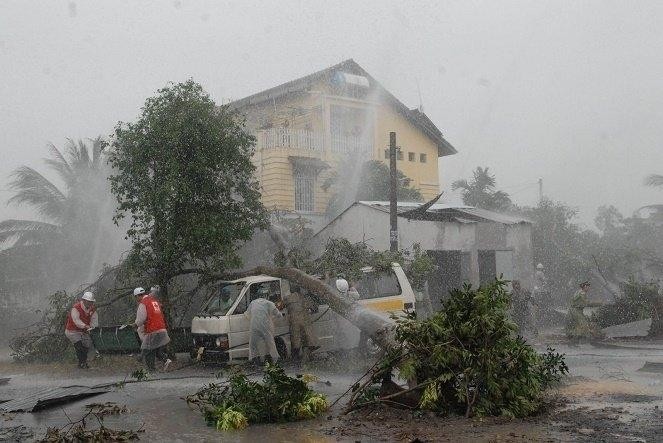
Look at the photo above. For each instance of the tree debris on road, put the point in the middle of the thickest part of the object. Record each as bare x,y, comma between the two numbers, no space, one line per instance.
464,359
240,402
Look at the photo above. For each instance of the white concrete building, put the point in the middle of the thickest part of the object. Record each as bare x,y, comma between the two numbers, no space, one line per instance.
468,244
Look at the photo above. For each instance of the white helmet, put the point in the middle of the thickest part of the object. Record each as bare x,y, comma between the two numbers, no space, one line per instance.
88,296
539,266
139,291
342,285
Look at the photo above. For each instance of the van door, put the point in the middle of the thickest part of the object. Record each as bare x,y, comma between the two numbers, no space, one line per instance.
240,324
238,337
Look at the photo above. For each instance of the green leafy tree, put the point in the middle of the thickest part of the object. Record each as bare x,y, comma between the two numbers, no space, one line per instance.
559,244
621,249
608,219
481,191
59,245
356,181
183,174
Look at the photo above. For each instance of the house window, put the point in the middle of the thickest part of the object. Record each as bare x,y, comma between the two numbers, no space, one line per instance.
411,156
422,158
304,192
399,155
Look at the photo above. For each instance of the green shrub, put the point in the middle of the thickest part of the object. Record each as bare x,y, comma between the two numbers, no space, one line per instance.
470,360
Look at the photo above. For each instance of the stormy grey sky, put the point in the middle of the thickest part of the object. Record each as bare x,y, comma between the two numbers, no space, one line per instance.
569,91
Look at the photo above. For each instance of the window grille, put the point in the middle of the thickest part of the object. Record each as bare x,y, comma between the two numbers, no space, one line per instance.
304,192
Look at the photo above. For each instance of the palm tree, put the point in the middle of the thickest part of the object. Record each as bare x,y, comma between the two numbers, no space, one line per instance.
481,192
69,215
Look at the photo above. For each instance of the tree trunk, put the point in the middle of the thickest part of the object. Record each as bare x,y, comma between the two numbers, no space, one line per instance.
164,298
379,328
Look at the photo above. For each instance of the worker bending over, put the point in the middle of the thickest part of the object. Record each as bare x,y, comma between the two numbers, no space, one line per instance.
80,320
155,337
262,348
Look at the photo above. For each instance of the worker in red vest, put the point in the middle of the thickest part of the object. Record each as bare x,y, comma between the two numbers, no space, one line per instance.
80,320
150,317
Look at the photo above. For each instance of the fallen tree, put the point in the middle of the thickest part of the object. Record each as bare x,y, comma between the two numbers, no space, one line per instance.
44,341
635,301
379,328
465,359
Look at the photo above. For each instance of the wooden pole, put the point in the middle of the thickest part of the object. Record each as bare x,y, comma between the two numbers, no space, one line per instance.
393,198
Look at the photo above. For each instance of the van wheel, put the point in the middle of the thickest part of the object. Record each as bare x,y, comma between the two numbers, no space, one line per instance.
281,348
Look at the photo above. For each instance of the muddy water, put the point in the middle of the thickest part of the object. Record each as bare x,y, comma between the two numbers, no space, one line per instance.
158,408
609,399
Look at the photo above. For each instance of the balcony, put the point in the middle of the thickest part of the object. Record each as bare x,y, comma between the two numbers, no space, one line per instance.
285,138
305,140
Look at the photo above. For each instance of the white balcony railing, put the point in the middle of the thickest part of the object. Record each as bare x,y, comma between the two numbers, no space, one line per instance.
285,138
305,140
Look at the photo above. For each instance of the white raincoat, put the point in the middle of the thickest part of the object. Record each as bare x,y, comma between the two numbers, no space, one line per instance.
261,314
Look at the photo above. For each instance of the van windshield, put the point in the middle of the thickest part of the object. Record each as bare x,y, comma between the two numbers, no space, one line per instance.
220,303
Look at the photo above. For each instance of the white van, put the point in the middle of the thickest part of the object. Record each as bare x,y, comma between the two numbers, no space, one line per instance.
222,329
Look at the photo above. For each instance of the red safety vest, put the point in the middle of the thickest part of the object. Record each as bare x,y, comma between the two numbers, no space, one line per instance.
84,316
155,319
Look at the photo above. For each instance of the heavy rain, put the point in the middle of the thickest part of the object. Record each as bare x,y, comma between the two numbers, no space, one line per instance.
331,221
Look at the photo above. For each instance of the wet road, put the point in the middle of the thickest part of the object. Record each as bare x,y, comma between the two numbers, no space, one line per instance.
156,406
604,373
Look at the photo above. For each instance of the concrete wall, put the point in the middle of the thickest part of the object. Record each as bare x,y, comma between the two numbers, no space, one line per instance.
519,239
370,225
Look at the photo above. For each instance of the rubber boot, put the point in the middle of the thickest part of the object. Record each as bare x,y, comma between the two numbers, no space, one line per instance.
81,354
150,357
297,357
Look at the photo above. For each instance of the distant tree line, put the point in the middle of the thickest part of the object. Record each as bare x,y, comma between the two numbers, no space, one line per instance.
621,248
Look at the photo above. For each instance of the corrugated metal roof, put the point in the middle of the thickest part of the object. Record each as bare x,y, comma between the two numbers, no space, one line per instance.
50,397
461,213
494,216
403,206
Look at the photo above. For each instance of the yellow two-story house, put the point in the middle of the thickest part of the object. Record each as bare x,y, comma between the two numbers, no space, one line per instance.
338,116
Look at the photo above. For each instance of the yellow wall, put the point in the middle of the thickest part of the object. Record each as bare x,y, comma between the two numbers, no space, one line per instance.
311,110
410,139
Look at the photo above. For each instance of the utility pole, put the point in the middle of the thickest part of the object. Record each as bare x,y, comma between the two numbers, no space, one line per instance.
393,201
540,190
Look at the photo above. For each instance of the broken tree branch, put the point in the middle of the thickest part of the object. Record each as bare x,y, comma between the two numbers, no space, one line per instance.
607,283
